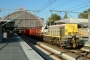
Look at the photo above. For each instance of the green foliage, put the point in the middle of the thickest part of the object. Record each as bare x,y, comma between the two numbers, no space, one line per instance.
84,14
53,18
65,16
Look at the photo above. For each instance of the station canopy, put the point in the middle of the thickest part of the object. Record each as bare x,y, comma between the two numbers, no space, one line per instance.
24,19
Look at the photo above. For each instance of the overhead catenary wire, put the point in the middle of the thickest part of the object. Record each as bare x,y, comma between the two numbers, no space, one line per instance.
78,9
79,5
69,14
47,5
60,5
17,9
63,4
73,17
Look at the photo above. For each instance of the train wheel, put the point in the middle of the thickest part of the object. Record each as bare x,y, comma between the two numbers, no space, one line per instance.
55,42
58,43
51,41
77,42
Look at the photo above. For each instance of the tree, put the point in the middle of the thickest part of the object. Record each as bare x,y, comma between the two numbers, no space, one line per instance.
84,14
53,18
65,16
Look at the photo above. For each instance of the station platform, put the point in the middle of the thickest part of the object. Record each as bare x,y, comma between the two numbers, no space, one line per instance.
14,48
87,44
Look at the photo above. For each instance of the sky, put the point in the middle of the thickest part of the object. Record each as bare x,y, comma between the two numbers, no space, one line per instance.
44,6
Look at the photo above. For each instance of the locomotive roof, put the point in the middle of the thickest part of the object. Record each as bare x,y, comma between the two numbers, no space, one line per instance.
57,25
60,25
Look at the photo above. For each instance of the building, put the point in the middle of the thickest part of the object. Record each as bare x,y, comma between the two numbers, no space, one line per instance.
24,19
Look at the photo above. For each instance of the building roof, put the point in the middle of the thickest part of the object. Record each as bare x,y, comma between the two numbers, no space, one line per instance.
24,19
72,20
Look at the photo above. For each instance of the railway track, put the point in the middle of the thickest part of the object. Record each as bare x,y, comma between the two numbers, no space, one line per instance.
52,56
81,53
63,54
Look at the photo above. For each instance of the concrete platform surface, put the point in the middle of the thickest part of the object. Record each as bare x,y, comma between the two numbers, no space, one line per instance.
87,43
15,49
11,49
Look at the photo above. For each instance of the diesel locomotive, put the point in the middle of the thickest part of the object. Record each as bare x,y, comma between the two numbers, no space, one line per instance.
64,35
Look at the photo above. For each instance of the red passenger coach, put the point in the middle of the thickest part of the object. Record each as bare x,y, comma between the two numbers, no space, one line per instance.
39,32
34,33
30,32
24,31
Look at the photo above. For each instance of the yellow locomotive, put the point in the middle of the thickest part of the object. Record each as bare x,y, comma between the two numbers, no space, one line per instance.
65,35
